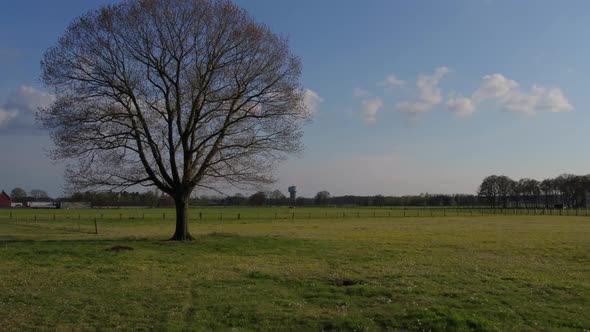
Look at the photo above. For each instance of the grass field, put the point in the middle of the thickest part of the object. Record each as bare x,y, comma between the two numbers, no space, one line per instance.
308,272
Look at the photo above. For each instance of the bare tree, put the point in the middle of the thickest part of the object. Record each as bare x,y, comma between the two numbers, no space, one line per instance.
38,194
176,94
505,187
489,190
276,195
18,194
258,198
526,191
321,198
548,189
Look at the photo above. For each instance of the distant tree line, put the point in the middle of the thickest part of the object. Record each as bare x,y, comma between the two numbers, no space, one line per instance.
124,198
566,190
495,191
20,195
274,198
323,198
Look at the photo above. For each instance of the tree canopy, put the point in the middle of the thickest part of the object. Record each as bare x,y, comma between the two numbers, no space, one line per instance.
176,94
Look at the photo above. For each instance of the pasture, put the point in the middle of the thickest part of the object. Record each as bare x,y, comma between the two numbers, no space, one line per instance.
295,269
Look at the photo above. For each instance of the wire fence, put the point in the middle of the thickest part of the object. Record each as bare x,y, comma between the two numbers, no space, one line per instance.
95,221
283,214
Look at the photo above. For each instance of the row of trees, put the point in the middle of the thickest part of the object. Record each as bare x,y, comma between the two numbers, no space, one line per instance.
261,198
566,190
124,198
324,198
496,191
19,195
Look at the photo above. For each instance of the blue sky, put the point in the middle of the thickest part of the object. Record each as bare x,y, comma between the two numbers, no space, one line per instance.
410,96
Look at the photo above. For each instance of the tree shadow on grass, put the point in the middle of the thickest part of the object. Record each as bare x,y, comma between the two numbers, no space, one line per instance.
218,241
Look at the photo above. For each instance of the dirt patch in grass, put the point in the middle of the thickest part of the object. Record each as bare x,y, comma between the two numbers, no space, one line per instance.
346,282
119,248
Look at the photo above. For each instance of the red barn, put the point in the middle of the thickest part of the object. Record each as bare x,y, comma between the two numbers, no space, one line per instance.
5,201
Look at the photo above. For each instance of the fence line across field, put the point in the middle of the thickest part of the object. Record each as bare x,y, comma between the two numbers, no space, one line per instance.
30,216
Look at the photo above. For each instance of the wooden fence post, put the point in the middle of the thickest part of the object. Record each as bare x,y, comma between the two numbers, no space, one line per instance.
95,226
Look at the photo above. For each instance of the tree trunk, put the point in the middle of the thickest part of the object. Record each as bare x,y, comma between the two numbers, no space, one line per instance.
182,210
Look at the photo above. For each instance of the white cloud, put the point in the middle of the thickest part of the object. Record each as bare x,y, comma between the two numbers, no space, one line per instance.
312,101
429,94
359,92
507,94
28,99
460,106
392,82
553,100
370,109
5,117
18,111
496,88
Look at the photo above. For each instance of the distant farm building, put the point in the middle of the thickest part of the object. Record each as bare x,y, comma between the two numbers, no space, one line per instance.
41,205
75,205
5,201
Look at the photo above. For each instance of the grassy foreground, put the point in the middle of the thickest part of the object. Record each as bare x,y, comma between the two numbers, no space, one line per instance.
522,273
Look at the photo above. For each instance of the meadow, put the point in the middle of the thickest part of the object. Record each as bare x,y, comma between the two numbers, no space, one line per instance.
295,269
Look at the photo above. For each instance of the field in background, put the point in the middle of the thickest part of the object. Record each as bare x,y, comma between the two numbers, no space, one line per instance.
83,217
340,271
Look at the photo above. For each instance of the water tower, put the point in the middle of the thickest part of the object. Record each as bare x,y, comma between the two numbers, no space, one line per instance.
292,192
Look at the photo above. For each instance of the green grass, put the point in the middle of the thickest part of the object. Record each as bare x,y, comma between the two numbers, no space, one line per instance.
490,273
